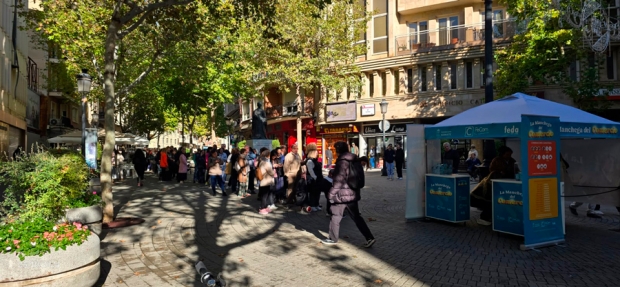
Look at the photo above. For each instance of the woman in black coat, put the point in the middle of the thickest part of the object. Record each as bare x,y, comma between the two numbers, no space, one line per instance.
139,164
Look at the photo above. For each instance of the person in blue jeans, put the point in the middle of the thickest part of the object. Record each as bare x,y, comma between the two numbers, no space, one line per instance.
388,156
215,173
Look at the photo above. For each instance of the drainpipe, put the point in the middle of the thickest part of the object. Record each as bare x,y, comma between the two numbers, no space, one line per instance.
15,64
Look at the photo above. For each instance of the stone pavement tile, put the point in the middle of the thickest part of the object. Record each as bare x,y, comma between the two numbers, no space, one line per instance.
183,224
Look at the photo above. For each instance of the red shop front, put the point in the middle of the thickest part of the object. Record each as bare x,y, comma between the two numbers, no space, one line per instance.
286,132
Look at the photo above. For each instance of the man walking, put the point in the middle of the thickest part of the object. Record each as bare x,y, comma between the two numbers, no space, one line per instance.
388,157
330,157
292,163
399,158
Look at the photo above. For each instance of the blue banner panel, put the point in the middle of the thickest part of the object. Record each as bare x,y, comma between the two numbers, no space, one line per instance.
508,207
91,148
511,130
440,195
540,149
462,198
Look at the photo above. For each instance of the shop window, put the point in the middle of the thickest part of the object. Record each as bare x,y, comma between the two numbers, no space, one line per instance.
573,71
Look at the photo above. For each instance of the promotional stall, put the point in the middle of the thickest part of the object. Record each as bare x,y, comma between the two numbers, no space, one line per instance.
529,206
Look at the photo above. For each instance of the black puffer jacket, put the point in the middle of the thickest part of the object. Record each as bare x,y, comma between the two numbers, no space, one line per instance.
340,191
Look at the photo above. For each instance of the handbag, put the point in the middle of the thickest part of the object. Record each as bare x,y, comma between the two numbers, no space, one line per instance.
259,173
228,169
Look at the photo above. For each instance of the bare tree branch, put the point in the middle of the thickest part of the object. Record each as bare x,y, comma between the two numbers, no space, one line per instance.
141,76
133,26
136,10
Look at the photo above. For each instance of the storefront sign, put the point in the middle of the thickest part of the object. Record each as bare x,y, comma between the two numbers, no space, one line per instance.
613,94
340,129
368,110
395,128
399,128
341,112
445,103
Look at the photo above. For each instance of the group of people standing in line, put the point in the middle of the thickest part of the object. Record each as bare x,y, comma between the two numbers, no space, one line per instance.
282,178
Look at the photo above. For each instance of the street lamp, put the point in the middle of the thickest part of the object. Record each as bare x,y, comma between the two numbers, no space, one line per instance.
231,127
83,84
384,105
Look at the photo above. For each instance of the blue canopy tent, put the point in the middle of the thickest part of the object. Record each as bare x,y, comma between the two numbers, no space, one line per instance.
502,118
530,207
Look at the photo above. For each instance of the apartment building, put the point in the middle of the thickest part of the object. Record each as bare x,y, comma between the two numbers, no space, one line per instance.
13,79
426,59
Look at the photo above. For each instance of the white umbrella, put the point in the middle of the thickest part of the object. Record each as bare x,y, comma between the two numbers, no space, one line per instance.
72,137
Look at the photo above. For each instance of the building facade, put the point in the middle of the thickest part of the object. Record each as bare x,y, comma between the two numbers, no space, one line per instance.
13,79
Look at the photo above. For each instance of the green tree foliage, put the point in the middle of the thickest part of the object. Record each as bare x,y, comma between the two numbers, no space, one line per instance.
543,52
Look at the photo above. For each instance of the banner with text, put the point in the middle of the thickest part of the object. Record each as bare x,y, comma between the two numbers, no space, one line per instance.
540,149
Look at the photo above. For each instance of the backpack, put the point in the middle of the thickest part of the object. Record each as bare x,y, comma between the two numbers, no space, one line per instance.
356,179
259,173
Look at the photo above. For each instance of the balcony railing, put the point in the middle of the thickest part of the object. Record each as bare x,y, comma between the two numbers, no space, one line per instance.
456,36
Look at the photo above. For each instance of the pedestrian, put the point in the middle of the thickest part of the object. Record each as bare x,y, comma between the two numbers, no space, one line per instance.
354,149
243,170
399,158
139,164
330,157
182,170
252,161
314,176
371,155
388,157
277,188
292,163
200,167
264,189
232,160
215,173
342,197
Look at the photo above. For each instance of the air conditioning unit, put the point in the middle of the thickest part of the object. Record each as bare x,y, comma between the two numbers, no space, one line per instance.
55,122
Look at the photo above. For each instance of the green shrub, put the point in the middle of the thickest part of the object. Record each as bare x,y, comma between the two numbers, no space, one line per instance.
43,184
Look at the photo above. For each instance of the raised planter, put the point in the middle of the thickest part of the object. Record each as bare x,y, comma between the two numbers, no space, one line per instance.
76,266
90,215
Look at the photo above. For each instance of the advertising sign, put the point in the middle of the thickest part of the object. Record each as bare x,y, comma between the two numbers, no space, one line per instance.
340,112
508,207
368,110
542,223
541,155
440,198
91,148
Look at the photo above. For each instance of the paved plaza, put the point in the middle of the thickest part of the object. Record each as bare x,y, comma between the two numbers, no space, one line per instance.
184,222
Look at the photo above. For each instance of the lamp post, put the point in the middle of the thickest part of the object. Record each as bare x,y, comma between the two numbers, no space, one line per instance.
83,84
384,105
230,123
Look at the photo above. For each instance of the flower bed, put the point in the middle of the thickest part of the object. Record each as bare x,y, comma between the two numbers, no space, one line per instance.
39,243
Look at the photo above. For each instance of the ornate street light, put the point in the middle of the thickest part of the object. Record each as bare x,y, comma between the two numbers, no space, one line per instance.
84,81
384,106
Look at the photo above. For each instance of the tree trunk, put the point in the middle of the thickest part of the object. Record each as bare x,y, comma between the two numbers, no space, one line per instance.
299,130
182,129
109,142
212,124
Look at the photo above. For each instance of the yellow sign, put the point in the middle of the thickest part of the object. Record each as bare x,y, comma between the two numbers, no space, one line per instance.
543,195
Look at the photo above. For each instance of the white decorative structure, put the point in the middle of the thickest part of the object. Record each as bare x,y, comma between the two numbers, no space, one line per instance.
594,20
